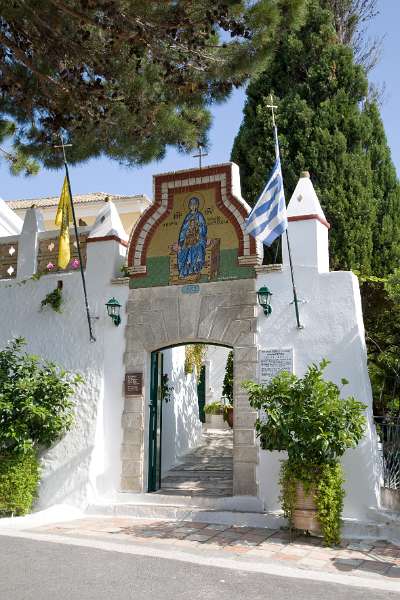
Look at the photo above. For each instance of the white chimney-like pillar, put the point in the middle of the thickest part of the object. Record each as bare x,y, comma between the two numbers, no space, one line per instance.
308,228
28,243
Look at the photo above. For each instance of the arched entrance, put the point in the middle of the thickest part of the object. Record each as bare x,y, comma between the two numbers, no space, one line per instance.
219,313
192,280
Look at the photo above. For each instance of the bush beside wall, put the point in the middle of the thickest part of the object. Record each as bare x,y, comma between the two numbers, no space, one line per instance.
19,478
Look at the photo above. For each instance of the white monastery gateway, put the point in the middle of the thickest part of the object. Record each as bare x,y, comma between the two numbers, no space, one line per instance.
117,451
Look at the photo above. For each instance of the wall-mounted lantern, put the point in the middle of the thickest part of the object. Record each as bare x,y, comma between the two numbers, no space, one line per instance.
264,300
113,309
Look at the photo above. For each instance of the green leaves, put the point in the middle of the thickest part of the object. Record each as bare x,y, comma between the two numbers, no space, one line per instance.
127,79
306,417
35,400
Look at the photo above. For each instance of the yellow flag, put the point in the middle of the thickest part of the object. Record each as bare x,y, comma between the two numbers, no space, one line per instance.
63,219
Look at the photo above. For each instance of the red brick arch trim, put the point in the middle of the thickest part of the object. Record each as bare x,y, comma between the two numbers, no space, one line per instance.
224,179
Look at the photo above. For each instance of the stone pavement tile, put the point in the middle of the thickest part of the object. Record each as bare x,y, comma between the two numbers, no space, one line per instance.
272,547
281,535
215,527
223,539
251,537
187,530
296,551
352,554
308,540
313,563
236,549
285,556
346,564
394,571
360,546
374,566
199,537
260,554
386,551
191,524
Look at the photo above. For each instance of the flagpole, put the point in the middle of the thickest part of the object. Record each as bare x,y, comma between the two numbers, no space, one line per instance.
295,298
89,320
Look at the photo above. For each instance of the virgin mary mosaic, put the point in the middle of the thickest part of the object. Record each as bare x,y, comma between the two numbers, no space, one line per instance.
192,241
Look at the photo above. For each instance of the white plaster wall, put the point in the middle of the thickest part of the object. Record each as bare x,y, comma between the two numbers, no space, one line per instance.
181,426
216,358
85,463
333,329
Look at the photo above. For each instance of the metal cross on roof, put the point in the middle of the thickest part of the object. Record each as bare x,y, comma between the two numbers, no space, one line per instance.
63,146
272,106
200,154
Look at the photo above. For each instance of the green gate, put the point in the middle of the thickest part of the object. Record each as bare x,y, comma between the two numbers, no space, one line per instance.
201,394
155,422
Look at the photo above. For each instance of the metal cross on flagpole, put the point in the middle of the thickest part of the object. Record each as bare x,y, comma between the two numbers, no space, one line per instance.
200,154
272,106
89,320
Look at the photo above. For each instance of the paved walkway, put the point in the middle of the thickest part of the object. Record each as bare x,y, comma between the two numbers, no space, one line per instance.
206,471
376,560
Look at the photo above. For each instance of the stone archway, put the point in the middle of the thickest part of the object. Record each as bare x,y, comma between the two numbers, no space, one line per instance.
221,312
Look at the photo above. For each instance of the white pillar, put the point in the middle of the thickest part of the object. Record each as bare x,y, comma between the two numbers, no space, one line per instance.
308,228
28,243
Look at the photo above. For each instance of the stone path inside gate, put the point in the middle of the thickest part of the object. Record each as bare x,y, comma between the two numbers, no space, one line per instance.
205,471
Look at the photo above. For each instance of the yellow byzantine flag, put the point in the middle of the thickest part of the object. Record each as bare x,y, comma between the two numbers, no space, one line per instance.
63,219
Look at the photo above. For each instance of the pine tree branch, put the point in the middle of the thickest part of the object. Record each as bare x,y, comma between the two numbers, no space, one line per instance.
21,57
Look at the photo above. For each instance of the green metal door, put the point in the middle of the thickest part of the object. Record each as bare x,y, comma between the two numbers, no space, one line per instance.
201,394
155,422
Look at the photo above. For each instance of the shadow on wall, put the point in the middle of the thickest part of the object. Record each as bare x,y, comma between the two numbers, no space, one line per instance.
68,483
358,487
182,428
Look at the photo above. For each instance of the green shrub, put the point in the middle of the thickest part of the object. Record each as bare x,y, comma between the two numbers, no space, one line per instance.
35,405
19,478
214,408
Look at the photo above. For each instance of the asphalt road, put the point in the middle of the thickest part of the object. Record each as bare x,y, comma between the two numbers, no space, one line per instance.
36,570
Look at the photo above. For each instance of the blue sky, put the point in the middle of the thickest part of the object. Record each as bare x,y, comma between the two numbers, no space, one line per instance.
107,176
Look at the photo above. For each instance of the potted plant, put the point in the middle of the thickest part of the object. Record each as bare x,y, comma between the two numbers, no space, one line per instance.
307,418
215,415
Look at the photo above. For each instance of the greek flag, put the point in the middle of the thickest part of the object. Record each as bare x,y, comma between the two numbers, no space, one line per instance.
268,219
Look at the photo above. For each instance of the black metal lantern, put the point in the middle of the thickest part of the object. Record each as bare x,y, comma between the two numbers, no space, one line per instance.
264,299
113,310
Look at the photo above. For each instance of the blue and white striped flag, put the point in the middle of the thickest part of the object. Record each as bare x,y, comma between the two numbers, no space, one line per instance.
268,219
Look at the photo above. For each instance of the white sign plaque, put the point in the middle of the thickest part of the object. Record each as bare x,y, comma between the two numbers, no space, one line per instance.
274,361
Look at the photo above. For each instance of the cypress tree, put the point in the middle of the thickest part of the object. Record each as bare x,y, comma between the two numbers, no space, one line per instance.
330,125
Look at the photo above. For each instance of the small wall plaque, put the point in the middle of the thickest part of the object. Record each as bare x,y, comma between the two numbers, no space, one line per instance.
193,288
133,384
273,361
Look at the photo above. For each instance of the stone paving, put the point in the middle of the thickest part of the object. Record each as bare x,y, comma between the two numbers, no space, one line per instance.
366,559
205,471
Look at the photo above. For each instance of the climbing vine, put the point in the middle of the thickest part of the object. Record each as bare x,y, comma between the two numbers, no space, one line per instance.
53,299
194,358
326,483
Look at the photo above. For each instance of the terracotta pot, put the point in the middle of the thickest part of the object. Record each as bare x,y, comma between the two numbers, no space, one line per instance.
305,510
229,416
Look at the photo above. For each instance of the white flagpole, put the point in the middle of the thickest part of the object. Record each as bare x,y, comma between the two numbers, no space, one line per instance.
295,299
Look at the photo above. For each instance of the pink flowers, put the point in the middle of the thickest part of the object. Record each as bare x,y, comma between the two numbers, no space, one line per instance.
50,266
74,264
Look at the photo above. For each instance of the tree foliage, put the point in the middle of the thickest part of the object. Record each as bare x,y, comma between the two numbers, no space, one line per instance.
351,20
329,126
126,78
227,384
381,310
